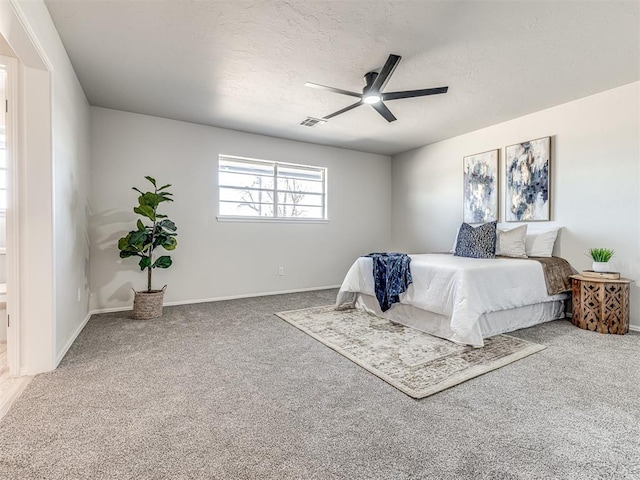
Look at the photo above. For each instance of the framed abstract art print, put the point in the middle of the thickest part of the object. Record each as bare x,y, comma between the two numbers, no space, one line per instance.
480,188
527,171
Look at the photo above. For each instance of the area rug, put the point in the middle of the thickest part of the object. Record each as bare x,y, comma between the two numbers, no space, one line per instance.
414,362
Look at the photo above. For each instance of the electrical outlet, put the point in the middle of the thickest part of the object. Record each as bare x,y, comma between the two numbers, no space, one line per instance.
281,271
79,294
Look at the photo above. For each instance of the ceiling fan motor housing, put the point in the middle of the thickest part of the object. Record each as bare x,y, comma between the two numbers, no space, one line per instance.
369,78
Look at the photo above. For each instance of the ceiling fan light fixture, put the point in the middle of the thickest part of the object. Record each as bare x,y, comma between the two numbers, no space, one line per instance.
371,99
372,92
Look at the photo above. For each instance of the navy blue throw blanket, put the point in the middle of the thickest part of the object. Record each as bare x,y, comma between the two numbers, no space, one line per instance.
392,277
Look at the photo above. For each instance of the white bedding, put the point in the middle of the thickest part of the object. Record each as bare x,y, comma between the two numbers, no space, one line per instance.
460,288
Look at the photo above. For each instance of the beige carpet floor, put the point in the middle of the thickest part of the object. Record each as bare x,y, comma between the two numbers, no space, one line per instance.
229,391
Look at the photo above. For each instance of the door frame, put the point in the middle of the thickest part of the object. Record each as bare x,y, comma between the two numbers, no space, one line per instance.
32,333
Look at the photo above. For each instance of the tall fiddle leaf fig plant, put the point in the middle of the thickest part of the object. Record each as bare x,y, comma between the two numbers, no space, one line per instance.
153,230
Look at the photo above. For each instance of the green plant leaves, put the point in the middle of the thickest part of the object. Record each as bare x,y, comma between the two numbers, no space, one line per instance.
146,211
137,238
145,262
134,243
151,199
601,254
168,224
143,241
162,262
164,234
123,243
170,243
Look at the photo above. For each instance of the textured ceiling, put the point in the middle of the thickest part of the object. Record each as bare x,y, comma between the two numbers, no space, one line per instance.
243,64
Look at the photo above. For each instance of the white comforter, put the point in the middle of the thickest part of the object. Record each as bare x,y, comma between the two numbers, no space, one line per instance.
458,287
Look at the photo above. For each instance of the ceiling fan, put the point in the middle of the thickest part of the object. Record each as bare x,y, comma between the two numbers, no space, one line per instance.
372,92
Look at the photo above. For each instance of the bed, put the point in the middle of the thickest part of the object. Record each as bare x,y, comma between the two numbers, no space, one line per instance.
465,299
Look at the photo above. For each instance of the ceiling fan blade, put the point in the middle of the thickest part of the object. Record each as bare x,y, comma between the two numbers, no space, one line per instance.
386,72
346,109
414,93
334,90
384,111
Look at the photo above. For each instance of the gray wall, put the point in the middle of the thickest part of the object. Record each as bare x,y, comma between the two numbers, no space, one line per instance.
221,259
595,181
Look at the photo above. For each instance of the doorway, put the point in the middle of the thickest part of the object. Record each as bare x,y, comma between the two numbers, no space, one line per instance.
9,337
11,383
3,216
31,328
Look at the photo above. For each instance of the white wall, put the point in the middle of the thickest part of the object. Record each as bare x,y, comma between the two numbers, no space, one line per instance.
220,259
54,134
595,181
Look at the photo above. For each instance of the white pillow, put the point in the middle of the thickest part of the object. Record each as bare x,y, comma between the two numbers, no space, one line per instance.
455,241
540,244
511,243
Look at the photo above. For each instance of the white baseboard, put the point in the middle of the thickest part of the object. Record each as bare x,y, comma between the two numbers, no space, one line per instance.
111,310
72,339
218,299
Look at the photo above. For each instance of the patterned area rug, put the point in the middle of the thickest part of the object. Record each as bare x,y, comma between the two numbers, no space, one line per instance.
414,362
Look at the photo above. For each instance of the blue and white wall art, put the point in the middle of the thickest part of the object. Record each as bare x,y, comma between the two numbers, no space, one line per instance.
527,181
480,201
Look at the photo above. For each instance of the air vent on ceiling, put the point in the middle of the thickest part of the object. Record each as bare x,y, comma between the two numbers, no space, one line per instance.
312,122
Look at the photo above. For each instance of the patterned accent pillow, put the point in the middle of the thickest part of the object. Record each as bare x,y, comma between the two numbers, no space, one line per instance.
477,242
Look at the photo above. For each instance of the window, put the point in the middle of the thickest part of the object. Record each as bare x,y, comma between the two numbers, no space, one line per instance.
271,190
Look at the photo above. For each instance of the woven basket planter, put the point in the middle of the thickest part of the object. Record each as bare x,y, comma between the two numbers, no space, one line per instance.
148,305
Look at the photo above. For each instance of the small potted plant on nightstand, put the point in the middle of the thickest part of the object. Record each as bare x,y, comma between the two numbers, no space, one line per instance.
601,257
144,240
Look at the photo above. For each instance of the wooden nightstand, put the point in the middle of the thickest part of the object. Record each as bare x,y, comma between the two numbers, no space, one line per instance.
601,304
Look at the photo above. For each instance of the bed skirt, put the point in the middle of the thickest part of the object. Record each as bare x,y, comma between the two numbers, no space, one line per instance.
490,324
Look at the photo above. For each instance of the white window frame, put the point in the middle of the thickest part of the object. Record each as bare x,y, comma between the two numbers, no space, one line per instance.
275,218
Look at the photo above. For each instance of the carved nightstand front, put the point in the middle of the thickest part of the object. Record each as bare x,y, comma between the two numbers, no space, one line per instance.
601,305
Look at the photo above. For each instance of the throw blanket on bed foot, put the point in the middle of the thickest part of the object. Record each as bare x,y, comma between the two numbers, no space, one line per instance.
392,277
556,274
